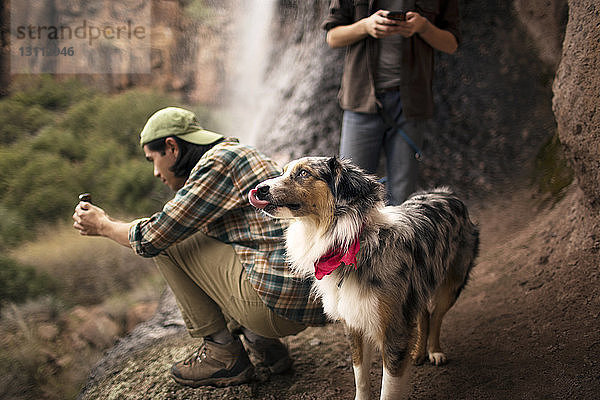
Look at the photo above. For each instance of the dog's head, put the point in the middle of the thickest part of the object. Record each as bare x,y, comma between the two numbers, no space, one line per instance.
321,188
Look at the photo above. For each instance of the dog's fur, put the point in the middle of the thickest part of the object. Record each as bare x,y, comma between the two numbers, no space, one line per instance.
413,262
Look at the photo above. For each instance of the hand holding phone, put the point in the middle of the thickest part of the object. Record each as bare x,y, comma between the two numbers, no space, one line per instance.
85,197
396,15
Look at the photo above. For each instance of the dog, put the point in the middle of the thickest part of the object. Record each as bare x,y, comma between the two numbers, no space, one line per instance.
390,273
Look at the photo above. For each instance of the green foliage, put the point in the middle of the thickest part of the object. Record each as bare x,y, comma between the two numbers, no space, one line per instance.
59,139
42,188
33,105
13,229
18,120
19,282
135,187
48,92
122,118
63,143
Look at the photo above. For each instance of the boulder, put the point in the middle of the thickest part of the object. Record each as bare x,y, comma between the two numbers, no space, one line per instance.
575,102
139,313
93,326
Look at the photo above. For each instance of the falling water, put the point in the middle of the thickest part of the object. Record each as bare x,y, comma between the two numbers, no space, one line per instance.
250,57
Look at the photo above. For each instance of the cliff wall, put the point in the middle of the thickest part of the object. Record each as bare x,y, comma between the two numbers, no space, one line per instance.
492,98
576,96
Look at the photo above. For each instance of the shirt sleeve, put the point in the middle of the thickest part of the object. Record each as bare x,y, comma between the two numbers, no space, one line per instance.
340,13
449,18
207,195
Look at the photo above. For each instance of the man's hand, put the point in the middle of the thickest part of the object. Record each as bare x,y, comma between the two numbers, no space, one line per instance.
437,38
93,221
378,26
414,23
89,219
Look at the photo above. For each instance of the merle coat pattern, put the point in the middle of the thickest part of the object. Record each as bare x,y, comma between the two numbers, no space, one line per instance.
413,262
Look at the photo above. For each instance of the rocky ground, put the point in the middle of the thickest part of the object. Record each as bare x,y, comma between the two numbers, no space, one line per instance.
526,327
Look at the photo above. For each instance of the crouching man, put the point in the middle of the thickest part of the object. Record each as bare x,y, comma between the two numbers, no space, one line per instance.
224,262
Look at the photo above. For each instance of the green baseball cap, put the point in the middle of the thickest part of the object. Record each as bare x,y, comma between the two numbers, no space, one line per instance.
175,121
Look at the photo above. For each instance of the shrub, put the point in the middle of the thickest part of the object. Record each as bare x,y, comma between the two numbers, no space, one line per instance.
47,91
80,118
13,228
122,117
61,142
19,282
42,189
94,147
18,121
136,189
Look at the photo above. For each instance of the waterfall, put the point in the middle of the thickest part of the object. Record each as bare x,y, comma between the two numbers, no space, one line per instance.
250,56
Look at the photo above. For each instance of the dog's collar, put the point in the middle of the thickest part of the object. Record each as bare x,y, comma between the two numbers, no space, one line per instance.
335,258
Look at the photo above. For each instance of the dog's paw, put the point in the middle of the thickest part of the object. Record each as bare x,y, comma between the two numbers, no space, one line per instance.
437,358
418,359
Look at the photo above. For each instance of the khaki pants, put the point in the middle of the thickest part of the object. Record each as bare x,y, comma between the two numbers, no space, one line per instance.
212,290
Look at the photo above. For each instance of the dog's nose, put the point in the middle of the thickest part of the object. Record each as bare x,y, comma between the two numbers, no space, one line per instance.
262,190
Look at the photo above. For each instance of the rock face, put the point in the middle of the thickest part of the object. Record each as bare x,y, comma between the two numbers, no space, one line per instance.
167,322
187,55
545,22
492,97
576,96
302,116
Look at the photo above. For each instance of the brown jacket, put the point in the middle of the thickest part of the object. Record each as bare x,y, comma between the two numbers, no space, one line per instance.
357,92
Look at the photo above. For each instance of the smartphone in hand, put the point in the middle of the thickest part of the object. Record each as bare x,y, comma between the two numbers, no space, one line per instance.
396,15
85,197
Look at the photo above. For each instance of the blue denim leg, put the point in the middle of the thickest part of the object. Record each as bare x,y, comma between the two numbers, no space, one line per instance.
365,135
401,164
362,139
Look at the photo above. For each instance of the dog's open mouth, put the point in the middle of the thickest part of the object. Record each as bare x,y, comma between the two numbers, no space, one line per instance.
263,204
255,201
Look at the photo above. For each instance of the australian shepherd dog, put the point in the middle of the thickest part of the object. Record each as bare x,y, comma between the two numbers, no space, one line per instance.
389,273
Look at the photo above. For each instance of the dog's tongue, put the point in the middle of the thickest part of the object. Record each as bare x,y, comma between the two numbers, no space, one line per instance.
255,201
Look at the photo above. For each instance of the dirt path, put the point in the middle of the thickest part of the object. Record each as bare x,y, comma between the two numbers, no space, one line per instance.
526,327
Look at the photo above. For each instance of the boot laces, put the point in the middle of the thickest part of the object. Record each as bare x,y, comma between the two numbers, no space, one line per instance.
196,357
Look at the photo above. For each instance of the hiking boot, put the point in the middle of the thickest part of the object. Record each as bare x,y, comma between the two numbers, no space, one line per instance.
270,353
214,364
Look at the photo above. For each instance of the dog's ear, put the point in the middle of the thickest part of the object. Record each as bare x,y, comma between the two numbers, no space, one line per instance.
349,183
335,168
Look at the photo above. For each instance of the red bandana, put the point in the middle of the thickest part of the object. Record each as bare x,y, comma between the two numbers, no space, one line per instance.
333,259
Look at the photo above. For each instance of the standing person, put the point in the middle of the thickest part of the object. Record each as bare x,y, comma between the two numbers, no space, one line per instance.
224,261
386,90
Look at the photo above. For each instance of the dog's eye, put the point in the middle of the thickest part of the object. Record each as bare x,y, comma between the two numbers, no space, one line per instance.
303,174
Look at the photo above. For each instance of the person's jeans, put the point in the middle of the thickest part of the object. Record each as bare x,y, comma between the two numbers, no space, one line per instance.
365,135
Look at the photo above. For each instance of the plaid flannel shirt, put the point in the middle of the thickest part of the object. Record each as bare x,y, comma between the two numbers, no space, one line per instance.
214,200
